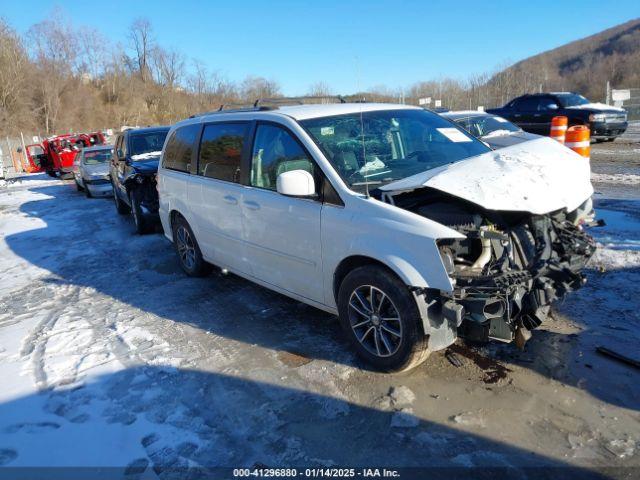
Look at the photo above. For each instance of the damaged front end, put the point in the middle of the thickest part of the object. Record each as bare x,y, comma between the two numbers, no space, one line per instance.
509,267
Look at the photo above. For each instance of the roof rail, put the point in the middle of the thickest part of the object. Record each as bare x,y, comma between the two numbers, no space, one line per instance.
241,108
263,104
300,100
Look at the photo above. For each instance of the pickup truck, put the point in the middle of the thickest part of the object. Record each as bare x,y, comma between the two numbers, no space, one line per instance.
533,113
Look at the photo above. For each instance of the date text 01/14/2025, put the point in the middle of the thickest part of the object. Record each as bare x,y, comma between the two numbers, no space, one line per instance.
316,473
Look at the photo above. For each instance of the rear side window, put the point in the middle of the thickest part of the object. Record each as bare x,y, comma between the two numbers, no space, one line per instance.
221,151
547,103
527,104
177,154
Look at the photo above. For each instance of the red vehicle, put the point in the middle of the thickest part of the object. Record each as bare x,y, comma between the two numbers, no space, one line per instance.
35,153
55,155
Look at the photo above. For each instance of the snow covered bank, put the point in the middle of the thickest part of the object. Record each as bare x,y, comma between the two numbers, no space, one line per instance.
618,178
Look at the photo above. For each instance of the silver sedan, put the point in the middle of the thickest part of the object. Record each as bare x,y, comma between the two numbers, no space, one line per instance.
91,171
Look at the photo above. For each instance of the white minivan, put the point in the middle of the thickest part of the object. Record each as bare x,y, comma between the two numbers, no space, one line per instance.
408,228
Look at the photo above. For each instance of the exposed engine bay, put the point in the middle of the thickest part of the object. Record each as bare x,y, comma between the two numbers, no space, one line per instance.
510,267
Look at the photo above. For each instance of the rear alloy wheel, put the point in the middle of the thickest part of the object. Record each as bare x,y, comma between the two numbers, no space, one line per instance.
380,316
188,250
142,225
121,207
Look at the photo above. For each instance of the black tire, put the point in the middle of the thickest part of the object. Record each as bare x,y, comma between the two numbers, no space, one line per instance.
409,340
79,187
121,207
610,139
191,262
87,192
141,223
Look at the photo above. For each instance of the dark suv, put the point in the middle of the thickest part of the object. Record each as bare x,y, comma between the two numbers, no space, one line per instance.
533,113
134,167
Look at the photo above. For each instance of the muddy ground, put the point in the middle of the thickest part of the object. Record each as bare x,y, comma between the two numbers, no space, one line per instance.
110,356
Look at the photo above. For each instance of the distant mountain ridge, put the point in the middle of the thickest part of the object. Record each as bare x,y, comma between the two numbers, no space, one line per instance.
583,65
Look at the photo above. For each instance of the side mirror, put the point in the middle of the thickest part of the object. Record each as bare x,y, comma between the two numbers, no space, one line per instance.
296,183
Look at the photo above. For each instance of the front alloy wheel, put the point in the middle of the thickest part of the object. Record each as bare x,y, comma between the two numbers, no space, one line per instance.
375,321
379,314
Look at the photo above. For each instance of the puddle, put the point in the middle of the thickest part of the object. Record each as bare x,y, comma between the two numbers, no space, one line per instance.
493,370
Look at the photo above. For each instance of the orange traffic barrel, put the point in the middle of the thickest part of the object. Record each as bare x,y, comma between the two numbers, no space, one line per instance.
559,128
578,140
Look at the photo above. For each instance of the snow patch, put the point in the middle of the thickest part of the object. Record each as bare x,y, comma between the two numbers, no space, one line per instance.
618,178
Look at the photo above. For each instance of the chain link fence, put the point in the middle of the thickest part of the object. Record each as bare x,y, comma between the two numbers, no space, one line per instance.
13,157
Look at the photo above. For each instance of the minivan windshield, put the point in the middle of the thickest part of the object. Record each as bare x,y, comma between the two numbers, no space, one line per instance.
571,99
379,147
146,145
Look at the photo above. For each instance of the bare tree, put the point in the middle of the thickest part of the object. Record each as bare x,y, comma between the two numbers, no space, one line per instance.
253,88
142,43
14,65
169,67
93,54
55,52
320,89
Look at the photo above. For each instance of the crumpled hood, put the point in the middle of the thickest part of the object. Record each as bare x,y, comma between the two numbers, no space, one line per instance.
599,107
146,166
538,176
501,141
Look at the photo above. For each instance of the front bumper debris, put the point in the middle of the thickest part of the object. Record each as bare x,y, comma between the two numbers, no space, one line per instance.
506,305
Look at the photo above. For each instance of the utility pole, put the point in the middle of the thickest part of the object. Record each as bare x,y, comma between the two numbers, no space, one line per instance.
11,154
608,97
24,151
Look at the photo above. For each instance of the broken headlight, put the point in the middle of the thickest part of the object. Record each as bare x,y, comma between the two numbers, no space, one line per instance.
447,260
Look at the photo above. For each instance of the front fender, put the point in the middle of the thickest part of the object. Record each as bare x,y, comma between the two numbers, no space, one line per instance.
401,240
420,266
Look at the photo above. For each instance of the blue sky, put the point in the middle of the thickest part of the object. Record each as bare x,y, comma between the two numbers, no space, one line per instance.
297,43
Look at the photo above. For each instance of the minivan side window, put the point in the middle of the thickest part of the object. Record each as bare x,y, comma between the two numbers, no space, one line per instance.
221,151
276,151
177,154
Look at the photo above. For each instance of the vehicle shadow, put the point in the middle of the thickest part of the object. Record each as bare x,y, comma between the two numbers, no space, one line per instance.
85,243
177,423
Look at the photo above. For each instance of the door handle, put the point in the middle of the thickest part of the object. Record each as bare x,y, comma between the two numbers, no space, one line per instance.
230,200
251,205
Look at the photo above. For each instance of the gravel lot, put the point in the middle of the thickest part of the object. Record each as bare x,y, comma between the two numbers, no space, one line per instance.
114,358
616,165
